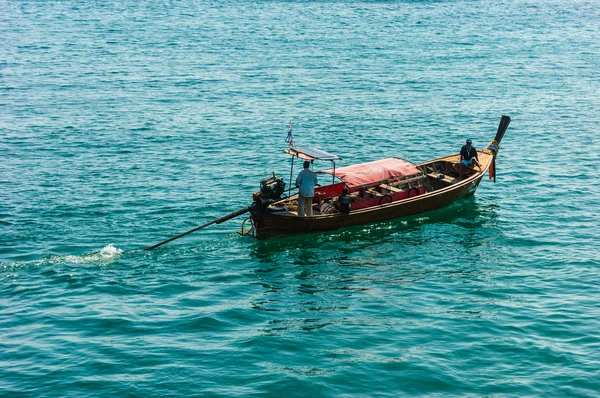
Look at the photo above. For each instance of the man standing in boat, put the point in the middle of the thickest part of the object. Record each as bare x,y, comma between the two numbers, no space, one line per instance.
468,155
306,181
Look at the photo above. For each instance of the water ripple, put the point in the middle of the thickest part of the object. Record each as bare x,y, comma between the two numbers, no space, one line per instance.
125,123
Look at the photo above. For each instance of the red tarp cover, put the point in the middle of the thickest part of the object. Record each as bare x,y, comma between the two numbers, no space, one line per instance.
379,170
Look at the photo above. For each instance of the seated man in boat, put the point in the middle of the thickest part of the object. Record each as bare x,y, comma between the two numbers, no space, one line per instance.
306,181
468,155
344,201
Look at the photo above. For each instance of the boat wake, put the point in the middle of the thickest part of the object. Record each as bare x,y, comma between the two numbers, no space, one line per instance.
104,256
107,254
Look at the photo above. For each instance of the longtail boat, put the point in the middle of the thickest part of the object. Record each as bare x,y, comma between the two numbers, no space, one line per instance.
380,190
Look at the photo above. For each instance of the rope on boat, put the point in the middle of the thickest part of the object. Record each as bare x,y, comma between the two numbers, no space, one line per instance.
249,230
494,147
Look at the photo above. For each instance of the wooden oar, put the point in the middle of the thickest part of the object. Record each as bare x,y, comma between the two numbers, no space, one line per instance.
217,221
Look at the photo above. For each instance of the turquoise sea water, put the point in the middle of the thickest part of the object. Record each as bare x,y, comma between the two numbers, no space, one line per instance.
124,123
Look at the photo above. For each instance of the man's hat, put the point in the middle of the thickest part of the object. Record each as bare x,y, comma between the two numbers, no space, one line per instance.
469,141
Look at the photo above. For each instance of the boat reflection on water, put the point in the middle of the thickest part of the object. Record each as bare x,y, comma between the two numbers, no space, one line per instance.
467,215
346,277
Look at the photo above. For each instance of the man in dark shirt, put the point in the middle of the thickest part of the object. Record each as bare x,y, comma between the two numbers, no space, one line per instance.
468,155
344,201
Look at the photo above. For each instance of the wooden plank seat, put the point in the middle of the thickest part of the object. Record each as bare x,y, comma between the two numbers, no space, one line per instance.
373,192
445,178
390,188
407,183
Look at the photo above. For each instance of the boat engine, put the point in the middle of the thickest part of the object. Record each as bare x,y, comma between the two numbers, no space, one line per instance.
271,189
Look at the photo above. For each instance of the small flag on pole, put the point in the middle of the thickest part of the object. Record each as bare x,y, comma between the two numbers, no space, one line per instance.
289,136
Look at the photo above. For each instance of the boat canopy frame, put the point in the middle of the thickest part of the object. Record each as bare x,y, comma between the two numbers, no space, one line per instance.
311,154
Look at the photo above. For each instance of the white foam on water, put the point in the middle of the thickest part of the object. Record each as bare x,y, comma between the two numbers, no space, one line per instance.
105,256
108,253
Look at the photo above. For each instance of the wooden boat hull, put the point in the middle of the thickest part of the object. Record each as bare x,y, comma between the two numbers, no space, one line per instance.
269,224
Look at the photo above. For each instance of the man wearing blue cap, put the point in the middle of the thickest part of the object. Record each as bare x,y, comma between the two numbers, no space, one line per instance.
468,155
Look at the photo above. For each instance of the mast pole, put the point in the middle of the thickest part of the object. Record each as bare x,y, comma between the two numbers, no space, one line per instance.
291,171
